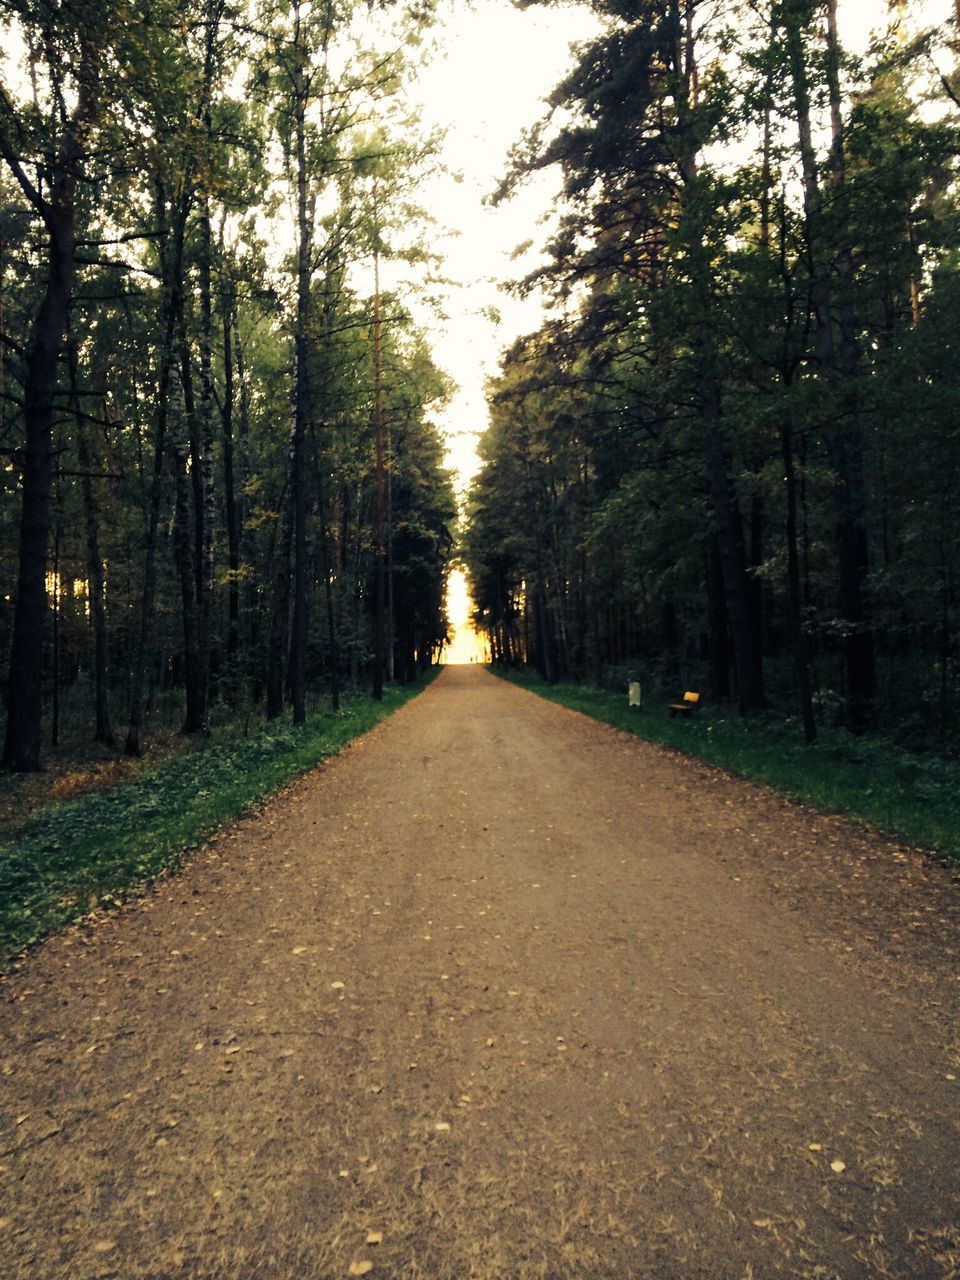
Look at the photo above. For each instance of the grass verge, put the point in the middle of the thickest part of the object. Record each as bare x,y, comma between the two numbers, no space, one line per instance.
911,796
99,848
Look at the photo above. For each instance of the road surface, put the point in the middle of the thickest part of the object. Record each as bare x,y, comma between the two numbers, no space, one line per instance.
498,993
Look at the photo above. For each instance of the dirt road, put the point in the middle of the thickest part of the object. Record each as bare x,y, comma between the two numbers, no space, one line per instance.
526,996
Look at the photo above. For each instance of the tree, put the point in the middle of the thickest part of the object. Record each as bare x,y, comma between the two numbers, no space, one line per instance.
73,43
181,348
708,443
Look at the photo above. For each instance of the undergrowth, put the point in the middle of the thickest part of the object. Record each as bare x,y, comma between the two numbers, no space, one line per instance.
98,848
908,795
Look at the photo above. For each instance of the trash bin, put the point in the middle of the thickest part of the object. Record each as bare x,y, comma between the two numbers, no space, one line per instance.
633,693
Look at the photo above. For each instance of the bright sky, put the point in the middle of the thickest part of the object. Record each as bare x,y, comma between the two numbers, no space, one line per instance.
496,67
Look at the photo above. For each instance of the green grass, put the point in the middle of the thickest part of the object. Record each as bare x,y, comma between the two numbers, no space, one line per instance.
911,796
100,847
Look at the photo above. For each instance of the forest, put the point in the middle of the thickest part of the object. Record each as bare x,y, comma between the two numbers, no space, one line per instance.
222,492
729,459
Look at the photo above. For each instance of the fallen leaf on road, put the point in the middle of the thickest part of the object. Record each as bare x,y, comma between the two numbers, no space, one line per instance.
815,1146
374,1237
298,951
441,1126
360,1268
837,1166
104,1246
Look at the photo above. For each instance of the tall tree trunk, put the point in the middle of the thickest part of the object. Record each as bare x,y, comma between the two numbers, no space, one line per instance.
357,567
390,625
205,566
545,637
21,749
171,257
795,604
103,728
719,638
229,478
754,580
25,699
3,326
188,528
281,596
185,544
854,548
298,644
841,429
55,662
327,570
206,512
799,643
379,524
252,596
747,657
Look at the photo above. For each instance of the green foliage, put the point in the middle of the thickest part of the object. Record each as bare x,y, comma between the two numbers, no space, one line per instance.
909,795
737,436
106,845
182,278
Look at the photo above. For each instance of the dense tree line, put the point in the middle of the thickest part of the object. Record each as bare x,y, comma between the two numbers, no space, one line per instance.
730,458
215,431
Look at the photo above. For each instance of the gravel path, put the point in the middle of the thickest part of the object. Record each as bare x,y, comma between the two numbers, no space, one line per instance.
498,993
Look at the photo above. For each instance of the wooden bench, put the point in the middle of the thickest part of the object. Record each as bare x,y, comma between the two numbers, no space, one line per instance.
685,708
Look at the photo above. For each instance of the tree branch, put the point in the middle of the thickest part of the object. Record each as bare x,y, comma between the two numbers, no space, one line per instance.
16,168
950,93
11,343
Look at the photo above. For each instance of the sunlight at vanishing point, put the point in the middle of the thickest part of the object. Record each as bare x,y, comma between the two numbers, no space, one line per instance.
465,644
